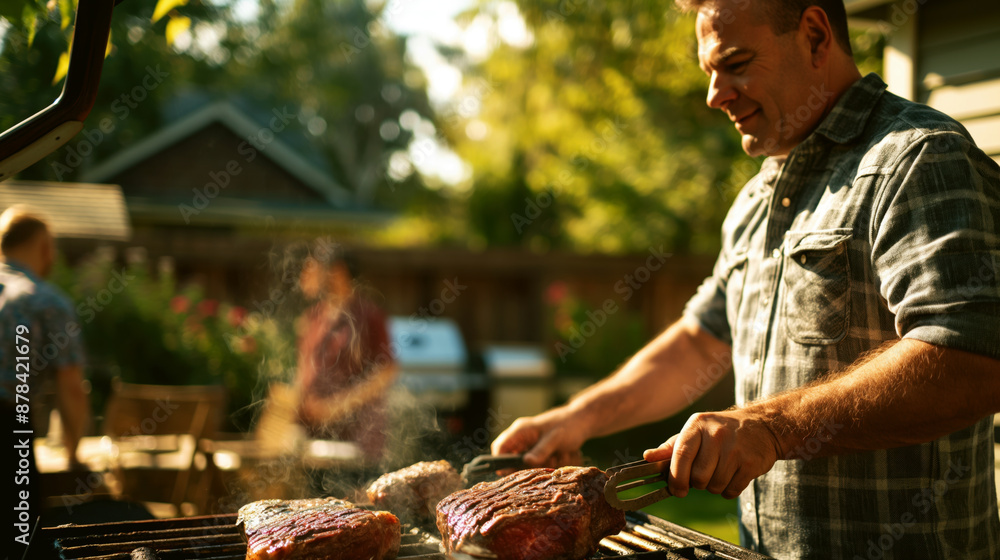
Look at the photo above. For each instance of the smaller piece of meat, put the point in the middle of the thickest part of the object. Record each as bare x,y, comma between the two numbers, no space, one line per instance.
322,528
413,493
534,514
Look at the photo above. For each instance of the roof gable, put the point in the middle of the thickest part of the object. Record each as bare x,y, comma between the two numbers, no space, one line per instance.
252,140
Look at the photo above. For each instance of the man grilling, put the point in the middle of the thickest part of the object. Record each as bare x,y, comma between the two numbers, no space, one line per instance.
857,298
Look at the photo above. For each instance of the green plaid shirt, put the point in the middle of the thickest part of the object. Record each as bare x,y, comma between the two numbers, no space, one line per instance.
882,224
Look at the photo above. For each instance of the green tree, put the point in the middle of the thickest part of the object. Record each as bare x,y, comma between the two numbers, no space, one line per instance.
348,73
334,62
31,57
601,119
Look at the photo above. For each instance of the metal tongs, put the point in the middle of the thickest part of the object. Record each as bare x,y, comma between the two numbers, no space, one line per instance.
634,475
486,466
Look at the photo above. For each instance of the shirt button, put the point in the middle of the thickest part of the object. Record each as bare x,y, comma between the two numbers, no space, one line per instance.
786,202
776,254
803,259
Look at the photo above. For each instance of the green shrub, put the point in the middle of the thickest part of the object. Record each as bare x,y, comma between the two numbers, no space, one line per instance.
144,329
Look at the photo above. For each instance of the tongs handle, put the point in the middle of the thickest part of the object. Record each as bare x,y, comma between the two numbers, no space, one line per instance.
629,476
483,466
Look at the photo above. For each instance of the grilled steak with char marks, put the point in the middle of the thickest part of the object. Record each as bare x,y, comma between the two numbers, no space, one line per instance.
534,514
413,493
319,528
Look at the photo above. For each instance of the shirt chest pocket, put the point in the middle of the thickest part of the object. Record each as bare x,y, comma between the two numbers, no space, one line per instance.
817,286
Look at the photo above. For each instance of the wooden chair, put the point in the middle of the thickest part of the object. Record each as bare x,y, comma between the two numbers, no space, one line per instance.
156,430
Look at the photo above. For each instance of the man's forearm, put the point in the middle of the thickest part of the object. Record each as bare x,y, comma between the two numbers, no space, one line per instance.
662,379
910,393
74,408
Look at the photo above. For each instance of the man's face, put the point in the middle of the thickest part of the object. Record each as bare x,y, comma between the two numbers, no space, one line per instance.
759,79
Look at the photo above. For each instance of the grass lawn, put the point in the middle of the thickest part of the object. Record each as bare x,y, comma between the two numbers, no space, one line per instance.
701,511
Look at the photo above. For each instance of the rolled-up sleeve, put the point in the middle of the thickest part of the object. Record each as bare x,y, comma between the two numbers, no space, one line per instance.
936,248
708,305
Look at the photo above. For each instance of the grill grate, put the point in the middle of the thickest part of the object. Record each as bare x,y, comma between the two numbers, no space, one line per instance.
215,537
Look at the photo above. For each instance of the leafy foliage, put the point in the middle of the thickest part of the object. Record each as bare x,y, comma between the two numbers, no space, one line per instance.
347,72
601,117
132,109
605,112
335,64
586,339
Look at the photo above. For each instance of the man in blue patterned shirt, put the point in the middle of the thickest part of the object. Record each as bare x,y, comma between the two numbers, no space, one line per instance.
856,297
56,356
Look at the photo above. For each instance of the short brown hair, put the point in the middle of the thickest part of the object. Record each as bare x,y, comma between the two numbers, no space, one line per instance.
18,226
784,15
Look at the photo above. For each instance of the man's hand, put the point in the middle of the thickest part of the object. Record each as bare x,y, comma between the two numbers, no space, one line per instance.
551,439
681,363
718,451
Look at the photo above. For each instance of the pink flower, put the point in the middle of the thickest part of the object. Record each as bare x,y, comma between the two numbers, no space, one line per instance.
556,293
179,304
237,315
208,307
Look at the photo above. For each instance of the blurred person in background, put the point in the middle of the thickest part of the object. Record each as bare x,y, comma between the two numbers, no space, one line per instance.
345,364
55,352
856,297
28,251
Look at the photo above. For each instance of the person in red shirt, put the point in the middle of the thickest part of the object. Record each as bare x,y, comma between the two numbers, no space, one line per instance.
345,364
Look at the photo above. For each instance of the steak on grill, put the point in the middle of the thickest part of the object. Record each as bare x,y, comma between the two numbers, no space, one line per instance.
318,528
533,514
415,491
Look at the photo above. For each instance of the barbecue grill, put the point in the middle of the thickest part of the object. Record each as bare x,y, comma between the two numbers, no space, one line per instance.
215,537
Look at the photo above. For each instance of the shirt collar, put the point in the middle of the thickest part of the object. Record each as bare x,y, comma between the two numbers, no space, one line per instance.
848,117
20,268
